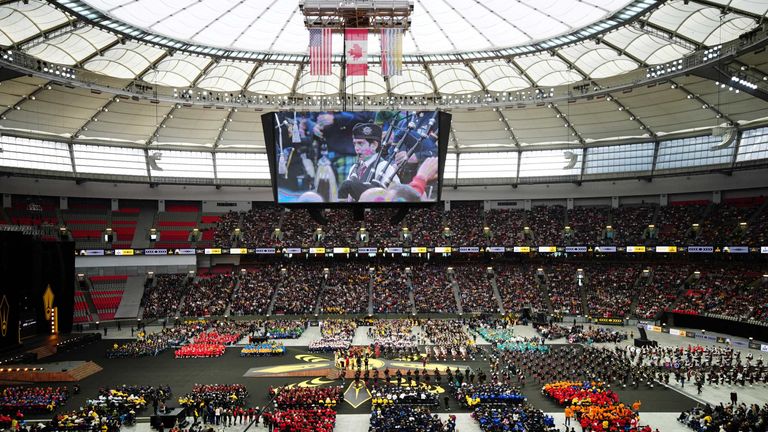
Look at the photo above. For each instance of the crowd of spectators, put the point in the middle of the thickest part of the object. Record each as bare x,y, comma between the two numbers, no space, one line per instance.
519,287
630,222
676,223
470,394
726,417
335,335
721,226
475,290
264,349
595,406
307,397
299,289
161,299
403,418
506,226
152,344
447,339
425,226
393,337
546,224
284,329
303,409
553,331
301,419
208,295
587,225
213,341
611,288
387,395
465,223
258,226
255,291
32,400
660,290
112,408
717,291
222,233
346,289
589,335
432,291
493,418
730,292
564,288
390,290
207,398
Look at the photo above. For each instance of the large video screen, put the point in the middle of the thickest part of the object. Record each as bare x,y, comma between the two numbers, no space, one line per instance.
379,157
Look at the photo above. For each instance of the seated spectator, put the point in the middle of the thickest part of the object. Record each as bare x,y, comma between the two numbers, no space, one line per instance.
32,400
255,291
397,418
431,289
475,290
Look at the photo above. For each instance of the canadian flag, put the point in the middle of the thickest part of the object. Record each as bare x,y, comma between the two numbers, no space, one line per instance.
356,46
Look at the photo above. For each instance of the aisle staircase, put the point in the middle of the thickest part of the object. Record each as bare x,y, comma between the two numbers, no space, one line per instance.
543,283
316,309
370,296
456,294
411,299
583,295
497,294
639,284
273,299
131,300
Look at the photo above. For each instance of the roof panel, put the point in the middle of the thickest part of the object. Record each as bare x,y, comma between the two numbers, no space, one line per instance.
124,61
548,70
500,76
273,79
414,81
454,79
70,48
178,70
22,20
227,76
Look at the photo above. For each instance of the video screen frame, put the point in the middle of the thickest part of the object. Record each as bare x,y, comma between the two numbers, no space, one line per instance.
402,132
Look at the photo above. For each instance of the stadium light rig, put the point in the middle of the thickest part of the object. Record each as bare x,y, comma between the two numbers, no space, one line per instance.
340,14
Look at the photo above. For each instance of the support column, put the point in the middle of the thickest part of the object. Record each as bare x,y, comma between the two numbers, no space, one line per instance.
7,201
63,203
569,203
614,202
717,197
115,204
663,200
160,205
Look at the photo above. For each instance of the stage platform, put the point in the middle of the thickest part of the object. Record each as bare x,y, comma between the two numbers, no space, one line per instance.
64,371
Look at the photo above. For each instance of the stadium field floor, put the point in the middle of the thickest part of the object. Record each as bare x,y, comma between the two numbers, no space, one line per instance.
182,374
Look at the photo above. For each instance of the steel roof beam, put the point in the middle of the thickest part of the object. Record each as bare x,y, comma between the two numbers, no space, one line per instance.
224,128
93,118
728,8
156,133
31,96
97,53
704,104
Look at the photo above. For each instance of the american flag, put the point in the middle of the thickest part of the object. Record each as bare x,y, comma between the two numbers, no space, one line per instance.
391,51
320,51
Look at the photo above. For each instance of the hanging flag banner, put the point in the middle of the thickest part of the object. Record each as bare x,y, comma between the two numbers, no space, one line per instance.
320,51
391,51
356,46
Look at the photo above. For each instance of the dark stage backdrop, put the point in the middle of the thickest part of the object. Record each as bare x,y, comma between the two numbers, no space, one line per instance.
28,268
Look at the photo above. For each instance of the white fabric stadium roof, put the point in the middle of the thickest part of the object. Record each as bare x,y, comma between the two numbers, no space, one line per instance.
454,48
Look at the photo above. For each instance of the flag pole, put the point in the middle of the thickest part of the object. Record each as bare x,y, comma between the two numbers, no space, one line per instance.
343,89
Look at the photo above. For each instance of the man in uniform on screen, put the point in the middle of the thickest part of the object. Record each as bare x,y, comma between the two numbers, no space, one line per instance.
366,138
427,146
